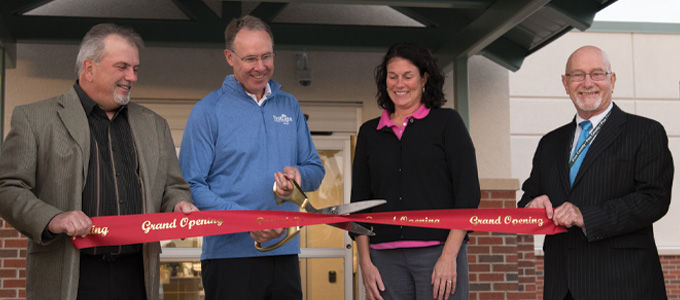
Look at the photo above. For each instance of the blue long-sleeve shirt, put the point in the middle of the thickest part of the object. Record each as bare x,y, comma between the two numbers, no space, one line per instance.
230,151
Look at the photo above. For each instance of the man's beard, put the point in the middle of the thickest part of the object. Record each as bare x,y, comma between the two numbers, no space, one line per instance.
589,105
121,99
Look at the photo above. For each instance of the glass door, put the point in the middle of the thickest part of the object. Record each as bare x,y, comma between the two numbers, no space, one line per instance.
326,252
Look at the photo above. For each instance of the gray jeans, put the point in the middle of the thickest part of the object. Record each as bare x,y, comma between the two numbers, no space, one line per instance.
407,272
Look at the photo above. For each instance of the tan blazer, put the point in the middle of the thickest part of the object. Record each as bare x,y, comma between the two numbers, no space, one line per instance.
43,166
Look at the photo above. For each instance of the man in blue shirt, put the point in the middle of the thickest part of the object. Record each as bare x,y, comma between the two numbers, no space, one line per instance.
239,140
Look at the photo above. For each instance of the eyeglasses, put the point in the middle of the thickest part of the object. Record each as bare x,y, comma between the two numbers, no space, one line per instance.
595,76
251,60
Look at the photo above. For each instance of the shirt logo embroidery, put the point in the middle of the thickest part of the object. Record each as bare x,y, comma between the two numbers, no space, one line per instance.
283,119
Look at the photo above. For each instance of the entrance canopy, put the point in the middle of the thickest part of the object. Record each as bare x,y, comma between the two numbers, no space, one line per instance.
505,31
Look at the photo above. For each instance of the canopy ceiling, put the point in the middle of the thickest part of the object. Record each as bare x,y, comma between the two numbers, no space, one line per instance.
505,31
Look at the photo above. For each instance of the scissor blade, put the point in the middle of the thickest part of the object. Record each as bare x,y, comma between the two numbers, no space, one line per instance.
349,208
353,228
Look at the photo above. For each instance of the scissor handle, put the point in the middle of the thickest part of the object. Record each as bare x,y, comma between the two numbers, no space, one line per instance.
291,232
297,196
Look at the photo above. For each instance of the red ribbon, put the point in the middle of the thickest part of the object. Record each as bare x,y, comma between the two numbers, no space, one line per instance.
133,229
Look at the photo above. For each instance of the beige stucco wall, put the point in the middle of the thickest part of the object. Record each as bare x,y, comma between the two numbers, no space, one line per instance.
182,76
490,117
647,72
45,70
188,74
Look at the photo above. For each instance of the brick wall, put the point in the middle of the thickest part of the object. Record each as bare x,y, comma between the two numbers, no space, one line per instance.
502,266
671,274
505,267
12,263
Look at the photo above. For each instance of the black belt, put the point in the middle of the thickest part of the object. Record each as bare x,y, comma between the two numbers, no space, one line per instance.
112,257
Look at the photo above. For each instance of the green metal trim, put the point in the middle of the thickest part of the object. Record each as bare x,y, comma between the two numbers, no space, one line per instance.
8,45
461,89
634,27
491,25
414,15
506,53
197,11
182,33
579,13
2,95
157,32
21,6
354,36
446,20
268,11
466,4
230,11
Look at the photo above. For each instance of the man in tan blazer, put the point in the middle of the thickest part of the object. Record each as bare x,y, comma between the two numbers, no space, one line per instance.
90,153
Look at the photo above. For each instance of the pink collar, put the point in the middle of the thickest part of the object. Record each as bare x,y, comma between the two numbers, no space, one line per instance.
385,121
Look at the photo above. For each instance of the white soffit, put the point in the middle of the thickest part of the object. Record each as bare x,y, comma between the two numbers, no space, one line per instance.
136,9
339,14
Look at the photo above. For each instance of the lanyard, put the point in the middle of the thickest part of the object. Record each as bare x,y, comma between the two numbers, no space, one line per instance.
589,139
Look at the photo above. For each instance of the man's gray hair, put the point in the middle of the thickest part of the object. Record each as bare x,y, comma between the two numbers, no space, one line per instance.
249,22
92,46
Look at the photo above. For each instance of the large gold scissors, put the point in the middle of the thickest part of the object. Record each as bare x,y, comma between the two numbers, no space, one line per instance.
298,197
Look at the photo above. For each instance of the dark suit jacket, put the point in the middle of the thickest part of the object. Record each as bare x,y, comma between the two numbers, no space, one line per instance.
43,166
622,188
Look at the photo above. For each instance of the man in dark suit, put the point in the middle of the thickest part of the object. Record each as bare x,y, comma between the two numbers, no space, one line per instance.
607,182
90,153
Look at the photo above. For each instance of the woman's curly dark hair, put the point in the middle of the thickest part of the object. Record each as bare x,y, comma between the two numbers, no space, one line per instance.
433,96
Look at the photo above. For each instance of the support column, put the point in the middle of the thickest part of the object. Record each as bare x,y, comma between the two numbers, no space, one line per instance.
2,94
461,91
